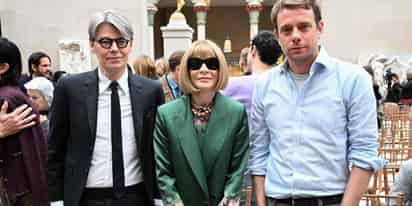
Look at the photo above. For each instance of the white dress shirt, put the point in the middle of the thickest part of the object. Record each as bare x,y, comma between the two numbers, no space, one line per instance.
100,173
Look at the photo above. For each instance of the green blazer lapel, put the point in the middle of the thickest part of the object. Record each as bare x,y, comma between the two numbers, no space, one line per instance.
215,132
189,142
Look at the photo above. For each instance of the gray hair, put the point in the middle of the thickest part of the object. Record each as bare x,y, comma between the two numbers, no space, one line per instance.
114,18
43,85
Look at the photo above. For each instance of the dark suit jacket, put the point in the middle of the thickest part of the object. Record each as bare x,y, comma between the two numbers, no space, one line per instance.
73,117
200,176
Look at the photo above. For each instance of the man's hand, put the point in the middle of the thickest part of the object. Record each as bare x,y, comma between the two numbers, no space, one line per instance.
15,121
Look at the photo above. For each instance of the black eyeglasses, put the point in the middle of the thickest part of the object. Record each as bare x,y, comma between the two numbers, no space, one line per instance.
194,63
107,42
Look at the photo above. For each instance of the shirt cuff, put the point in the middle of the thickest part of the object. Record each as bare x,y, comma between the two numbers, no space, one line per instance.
374,164
256,171
57,203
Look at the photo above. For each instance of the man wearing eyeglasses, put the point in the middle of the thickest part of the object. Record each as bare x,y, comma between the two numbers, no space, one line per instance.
101,126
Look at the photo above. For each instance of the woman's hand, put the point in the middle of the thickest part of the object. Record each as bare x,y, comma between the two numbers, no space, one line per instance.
15,121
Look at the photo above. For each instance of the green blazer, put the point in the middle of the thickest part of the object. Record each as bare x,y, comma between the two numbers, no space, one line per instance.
180,164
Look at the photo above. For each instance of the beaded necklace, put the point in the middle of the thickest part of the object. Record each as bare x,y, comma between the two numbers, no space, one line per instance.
202,112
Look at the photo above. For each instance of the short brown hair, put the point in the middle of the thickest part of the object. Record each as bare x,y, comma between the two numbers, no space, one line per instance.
144,66
200,47
294,4
174,60
162,67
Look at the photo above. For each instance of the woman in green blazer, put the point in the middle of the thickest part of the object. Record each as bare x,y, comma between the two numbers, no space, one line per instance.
201,139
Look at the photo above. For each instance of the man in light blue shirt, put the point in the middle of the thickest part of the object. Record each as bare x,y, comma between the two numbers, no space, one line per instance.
313,121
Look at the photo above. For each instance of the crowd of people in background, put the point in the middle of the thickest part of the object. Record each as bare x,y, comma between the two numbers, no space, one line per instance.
181,130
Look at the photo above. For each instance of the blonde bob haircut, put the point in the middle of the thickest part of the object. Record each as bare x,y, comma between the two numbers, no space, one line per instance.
200,48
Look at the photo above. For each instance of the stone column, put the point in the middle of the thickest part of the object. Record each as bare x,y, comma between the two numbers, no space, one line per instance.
254,7
177,35
151,11
201,18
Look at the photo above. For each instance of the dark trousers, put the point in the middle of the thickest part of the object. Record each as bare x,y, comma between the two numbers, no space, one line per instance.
131,196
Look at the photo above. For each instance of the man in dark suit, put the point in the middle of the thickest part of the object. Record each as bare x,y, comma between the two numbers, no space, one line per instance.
101,126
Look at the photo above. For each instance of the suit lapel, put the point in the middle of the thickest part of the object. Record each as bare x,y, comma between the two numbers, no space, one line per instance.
216,132
91,86
137,111
189,143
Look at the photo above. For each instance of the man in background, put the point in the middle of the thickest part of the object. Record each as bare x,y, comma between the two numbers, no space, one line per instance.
170,81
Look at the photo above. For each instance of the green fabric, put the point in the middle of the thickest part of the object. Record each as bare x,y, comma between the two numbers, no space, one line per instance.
200,127
200,176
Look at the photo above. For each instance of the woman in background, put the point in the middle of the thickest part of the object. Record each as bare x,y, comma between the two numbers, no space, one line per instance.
162,67
144,66
40,91
22,154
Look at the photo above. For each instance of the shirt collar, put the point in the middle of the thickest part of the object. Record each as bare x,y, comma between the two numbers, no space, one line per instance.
322,61
104,82
172,82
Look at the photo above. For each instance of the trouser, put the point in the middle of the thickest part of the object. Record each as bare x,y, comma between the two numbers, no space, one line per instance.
334,200
131,196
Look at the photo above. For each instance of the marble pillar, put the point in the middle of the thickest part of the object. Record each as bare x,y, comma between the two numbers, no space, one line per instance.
151,11
177,34
254,8
201,19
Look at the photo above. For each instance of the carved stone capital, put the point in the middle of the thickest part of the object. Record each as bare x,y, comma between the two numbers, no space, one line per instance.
254,7
200,8
151,11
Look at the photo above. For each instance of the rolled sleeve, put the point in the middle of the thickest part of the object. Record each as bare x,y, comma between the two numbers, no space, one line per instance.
259,136
362,125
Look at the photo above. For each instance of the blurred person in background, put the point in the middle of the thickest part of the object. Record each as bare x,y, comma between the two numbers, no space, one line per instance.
162,67
145,66
243,61
171,89
40,91
403,184
406,93
22,154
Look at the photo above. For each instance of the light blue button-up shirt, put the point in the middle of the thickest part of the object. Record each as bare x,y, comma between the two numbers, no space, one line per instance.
304,141
174,86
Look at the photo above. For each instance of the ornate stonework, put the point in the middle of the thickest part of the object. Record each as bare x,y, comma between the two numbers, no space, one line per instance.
74,56
254,7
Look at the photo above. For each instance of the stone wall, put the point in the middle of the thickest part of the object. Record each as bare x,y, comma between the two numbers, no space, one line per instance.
354,29
41,24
